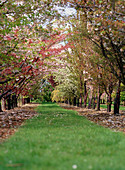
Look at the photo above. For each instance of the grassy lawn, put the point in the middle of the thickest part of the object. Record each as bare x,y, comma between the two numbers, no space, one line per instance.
104,106
59,139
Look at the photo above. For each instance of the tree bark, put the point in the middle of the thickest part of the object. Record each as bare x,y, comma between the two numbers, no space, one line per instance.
98,99
66,101
15,101
90,103
78,102
28,100
94,103
113,5
85,95
3,104
70,102
8,103
0,106
23,101
117,100
74,101
90,99
109,102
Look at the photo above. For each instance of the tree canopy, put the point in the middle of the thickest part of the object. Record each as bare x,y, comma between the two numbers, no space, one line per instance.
82,52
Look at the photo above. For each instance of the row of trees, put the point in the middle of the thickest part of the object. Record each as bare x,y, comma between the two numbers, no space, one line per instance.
26,40
96,62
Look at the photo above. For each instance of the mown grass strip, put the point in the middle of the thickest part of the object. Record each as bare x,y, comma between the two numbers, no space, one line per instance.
59,139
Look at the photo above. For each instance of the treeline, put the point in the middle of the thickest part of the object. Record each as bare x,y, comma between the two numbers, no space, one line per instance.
96,62
24,45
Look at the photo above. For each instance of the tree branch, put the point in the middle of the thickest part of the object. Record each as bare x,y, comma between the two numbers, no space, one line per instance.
1,5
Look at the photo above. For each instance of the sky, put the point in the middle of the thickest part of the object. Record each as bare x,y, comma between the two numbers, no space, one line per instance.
66,11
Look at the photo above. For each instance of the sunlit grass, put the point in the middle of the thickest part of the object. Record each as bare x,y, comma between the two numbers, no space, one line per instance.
59,139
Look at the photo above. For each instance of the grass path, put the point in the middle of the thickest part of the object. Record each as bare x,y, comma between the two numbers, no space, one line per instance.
59,139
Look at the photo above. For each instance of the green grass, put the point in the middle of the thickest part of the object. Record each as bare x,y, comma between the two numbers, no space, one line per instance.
58,139
104,106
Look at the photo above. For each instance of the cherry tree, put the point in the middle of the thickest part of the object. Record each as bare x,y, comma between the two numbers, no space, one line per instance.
25,43
104,24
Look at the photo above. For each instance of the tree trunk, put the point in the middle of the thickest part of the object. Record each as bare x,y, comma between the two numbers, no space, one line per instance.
0,105
28,100
90,99
15,101
113,5
117,100
90,103
98,99
85,95
85,100
3,104
98,102
8,103
78,102
94,103
74,101
109,102
70,102
0,108
23,101
66,101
